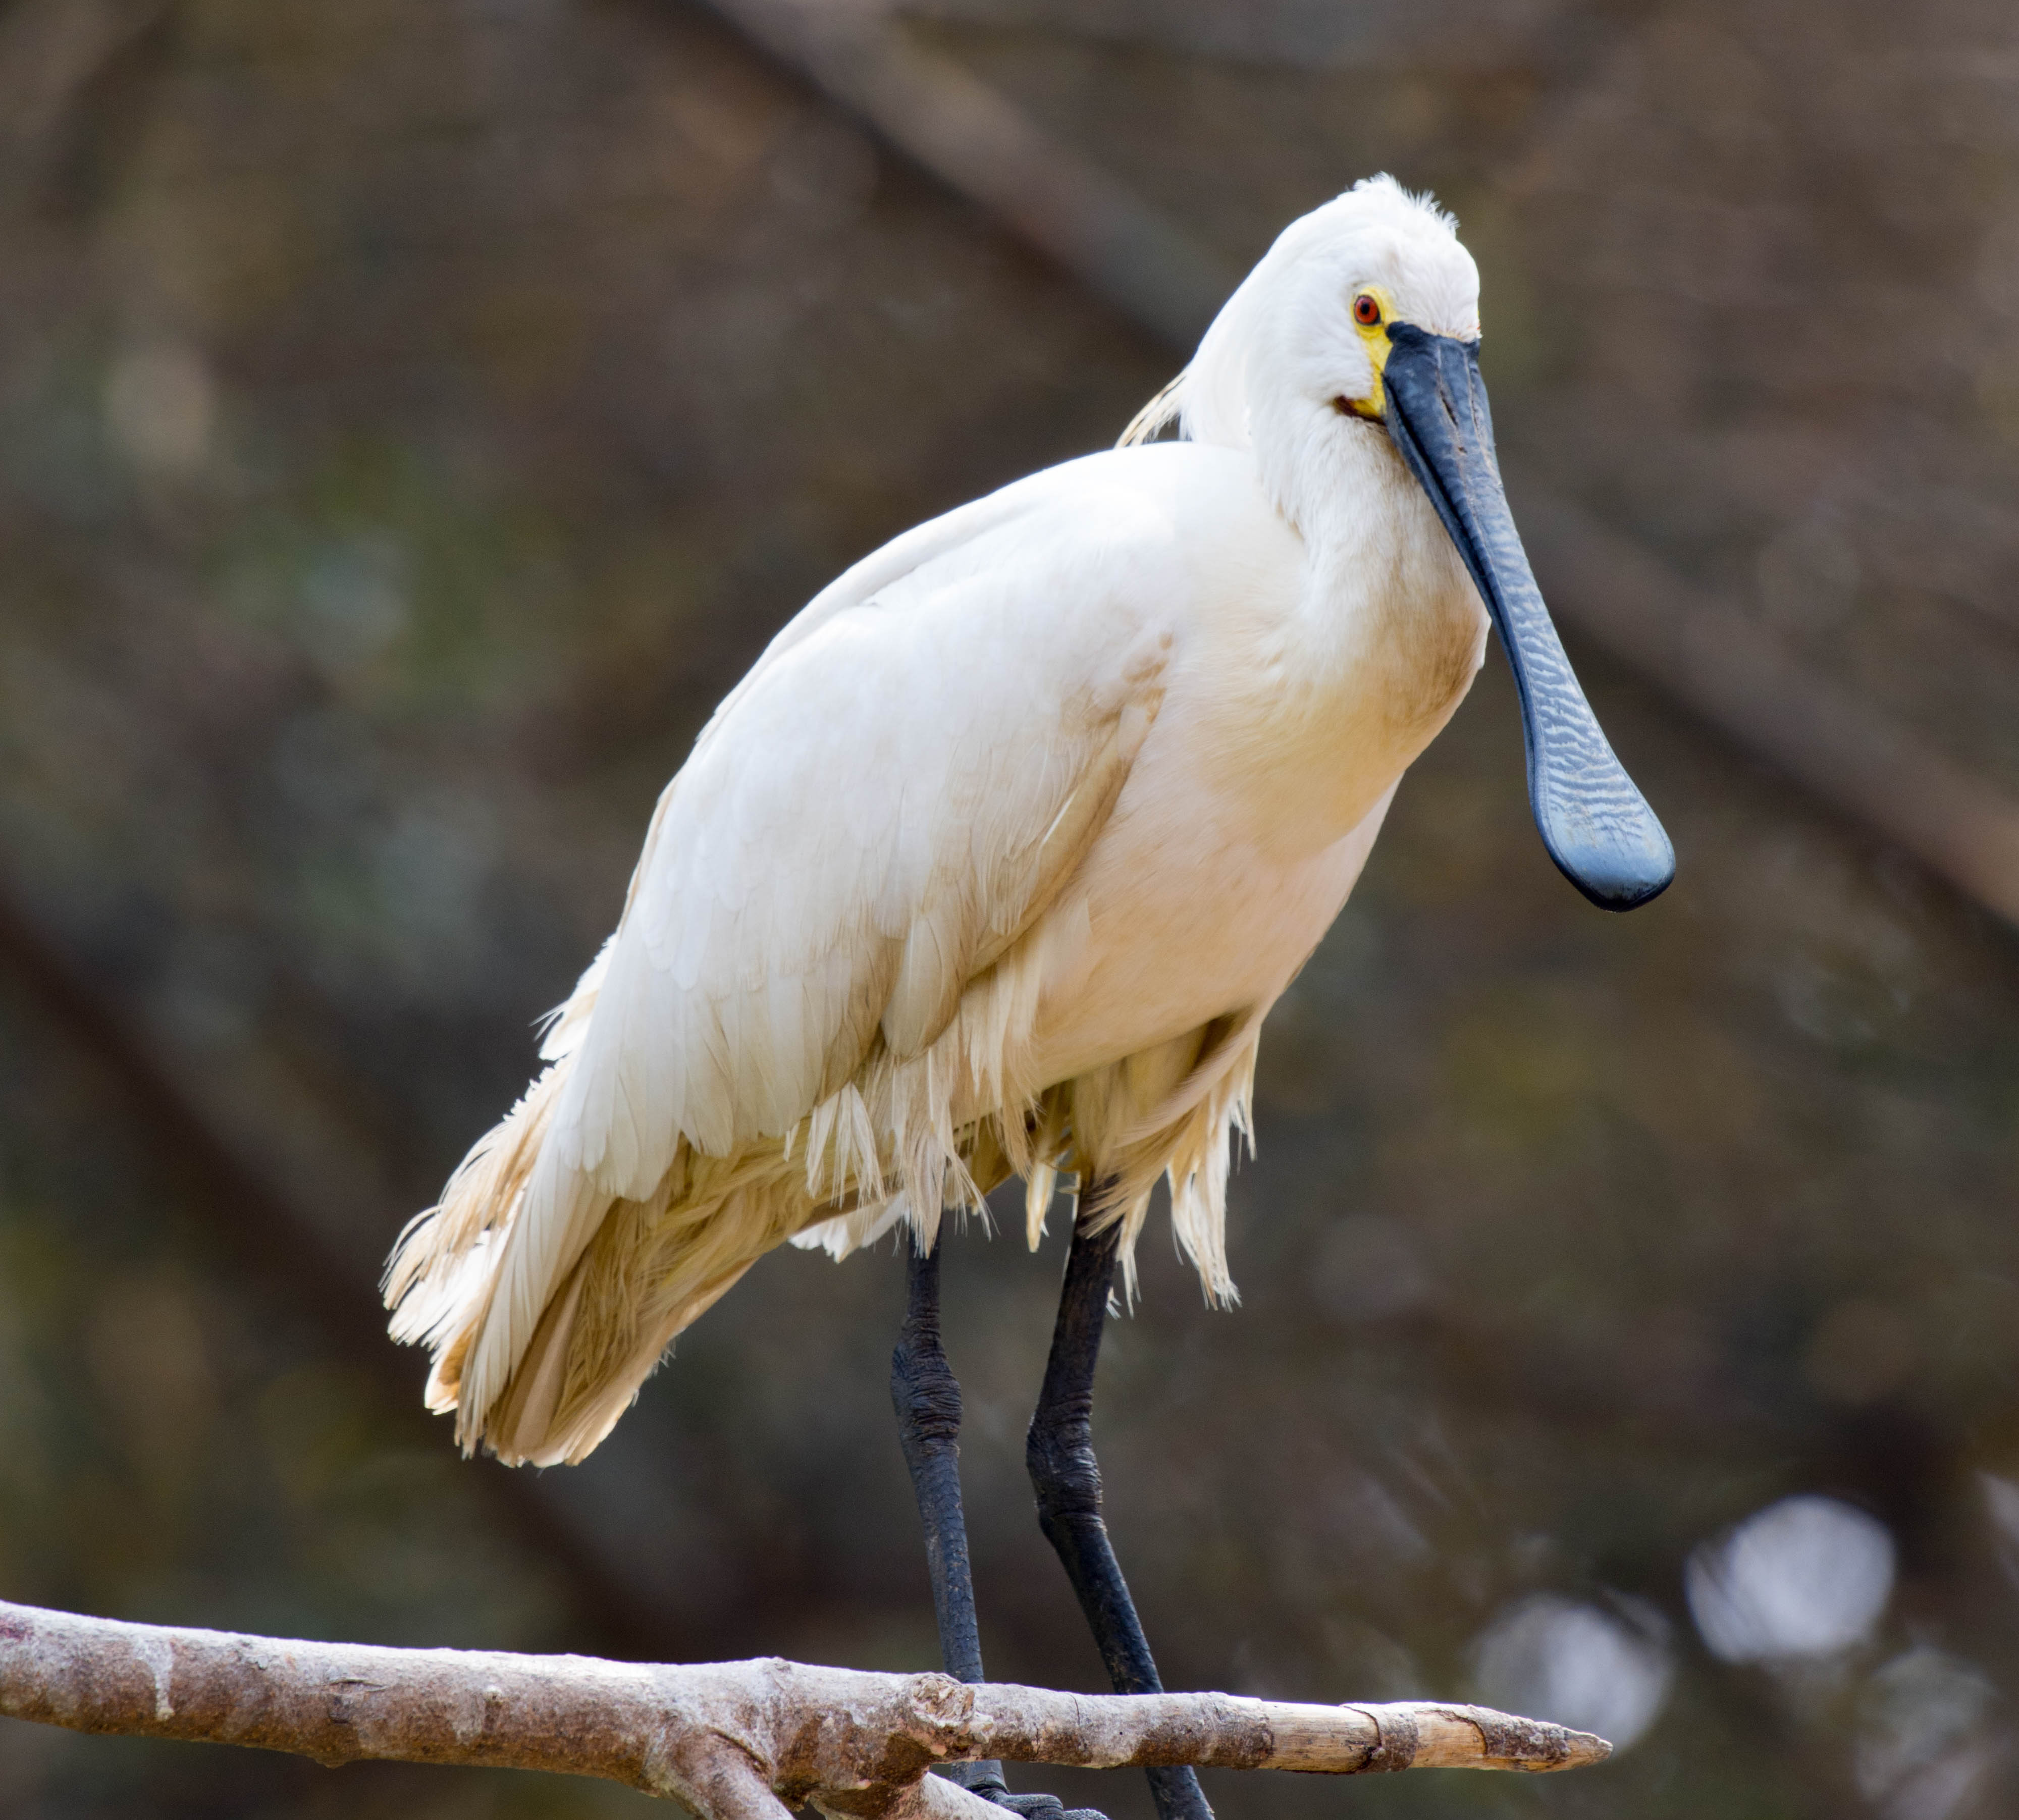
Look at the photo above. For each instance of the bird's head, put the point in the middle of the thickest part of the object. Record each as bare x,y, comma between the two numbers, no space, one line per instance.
1353,345
1307,337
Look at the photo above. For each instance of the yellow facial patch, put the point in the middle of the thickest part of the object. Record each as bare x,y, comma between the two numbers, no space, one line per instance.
1374,336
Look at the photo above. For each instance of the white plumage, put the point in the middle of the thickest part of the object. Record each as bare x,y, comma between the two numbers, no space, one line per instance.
993,864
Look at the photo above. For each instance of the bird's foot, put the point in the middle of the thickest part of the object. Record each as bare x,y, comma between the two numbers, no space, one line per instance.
1034,1806
1044,1808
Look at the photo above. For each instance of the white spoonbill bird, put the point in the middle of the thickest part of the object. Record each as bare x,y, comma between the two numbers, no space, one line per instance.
994,864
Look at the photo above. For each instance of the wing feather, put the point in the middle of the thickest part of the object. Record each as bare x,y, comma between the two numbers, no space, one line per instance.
896,790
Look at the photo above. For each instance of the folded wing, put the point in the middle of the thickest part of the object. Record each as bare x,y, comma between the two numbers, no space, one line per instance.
875,815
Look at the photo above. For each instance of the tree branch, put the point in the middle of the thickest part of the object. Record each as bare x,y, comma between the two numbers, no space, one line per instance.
733,1741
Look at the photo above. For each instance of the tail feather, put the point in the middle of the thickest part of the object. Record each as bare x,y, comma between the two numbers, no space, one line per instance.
446,1252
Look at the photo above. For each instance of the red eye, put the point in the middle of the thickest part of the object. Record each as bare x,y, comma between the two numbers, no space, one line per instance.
1366,310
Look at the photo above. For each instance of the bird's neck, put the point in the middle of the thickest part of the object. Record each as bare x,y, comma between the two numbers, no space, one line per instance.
1386,632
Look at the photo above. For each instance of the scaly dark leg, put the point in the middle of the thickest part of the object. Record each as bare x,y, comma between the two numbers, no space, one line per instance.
926,1396
1067,1478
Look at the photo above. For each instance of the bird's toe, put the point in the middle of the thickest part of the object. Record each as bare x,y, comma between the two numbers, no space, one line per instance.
1042,1807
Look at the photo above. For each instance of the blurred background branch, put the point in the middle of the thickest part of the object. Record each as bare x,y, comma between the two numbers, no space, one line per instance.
930,109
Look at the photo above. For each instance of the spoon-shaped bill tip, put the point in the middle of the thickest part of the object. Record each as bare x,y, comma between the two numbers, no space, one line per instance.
1619,866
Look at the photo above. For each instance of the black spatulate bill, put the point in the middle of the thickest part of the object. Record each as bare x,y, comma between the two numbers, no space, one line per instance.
1596,825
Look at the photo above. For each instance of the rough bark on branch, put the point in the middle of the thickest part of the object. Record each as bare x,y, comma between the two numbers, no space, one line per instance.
733,1741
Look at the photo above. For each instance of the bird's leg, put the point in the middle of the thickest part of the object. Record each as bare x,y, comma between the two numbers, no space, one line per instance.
926,1396
1058,1451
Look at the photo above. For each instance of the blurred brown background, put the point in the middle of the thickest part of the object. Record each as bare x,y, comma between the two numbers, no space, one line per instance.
414,416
